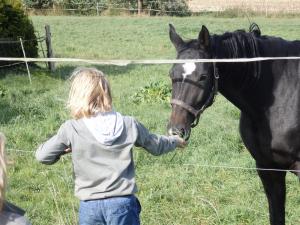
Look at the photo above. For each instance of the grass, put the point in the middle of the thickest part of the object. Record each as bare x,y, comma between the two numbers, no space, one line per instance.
174,189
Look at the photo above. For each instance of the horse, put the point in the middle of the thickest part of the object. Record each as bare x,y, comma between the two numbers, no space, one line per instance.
267,93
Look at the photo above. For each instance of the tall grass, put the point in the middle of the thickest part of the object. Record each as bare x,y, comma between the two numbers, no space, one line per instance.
174,188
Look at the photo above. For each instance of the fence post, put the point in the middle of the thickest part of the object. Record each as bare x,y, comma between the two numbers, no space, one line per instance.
51,65
97,8
140,7
24,54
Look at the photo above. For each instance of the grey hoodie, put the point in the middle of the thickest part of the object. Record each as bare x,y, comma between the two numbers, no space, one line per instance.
102,152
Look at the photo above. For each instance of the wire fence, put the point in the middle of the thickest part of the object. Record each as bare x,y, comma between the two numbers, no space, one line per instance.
96,10
127,62
210,166
265,7
10,47
194,165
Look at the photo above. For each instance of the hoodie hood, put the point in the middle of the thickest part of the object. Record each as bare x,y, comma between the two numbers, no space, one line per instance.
105,127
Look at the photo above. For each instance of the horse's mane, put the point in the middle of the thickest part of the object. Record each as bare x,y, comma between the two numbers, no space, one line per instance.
239,44
236,44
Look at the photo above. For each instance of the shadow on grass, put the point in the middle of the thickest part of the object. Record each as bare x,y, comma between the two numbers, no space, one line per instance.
63,71
7,113
17,92
15,70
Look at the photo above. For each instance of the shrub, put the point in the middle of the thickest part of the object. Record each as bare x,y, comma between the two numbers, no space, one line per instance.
81,7
169,7
39,4
154,92
14,24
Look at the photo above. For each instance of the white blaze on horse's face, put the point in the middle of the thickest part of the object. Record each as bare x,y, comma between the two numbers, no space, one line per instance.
188,68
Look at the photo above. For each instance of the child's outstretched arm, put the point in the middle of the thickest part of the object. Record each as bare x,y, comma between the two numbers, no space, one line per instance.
50,151
157,144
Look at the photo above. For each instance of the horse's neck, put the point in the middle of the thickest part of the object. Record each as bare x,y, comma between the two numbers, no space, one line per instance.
249,85
239,81
277,47
238,87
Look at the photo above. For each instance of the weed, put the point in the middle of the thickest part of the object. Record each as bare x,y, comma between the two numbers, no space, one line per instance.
154,92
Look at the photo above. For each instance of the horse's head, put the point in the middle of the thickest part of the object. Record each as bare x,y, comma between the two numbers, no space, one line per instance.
193,84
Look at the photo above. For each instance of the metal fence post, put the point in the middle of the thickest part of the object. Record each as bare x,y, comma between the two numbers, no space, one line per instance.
24,54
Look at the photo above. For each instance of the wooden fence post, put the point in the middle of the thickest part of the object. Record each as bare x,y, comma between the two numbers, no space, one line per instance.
97,8
140,7
51,65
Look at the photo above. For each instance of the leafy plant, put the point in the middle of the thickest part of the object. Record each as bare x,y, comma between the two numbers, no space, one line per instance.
3,91
154,92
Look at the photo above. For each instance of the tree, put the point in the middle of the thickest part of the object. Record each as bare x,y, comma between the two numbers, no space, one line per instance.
14,24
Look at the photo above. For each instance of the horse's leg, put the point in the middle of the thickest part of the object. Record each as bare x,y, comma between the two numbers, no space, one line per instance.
273,182
274,185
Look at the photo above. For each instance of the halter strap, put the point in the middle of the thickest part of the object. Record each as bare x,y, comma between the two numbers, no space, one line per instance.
187,107
208,101
184,80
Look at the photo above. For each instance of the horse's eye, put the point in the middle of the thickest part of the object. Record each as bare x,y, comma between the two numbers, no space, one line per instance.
203,77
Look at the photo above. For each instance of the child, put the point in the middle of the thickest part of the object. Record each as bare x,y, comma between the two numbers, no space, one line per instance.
9,213
101,142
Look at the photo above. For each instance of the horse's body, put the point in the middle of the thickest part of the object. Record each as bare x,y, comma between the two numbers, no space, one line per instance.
266,92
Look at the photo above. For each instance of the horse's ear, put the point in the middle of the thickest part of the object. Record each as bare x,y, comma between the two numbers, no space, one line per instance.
204,37
175,38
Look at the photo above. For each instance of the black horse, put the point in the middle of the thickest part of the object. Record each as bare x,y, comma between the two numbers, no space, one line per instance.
266,92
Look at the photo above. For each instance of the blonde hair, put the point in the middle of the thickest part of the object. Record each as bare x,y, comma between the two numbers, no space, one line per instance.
2,170
89,94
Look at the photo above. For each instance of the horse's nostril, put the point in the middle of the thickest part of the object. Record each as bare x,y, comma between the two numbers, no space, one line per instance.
174,132
178,132
182,132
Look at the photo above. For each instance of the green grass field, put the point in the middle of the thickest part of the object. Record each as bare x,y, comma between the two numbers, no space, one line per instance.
174,189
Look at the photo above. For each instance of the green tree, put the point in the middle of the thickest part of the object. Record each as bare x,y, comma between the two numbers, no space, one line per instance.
40,4
14,24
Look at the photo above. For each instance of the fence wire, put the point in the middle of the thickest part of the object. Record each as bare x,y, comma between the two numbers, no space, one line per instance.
166,61
210,166
16,45
126,62
265,7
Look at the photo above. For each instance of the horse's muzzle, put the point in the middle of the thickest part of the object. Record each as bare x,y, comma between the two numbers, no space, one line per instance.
180,131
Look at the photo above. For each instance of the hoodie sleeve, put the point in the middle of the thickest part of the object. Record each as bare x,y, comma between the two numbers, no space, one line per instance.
50,151
154,144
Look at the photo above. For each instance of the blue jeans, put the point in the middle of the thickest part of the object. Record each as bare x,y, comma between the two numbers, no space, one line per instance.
124,210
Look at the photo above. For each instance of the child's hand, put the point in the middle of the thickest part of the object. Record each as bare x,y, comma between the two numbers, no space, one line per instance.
181,143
